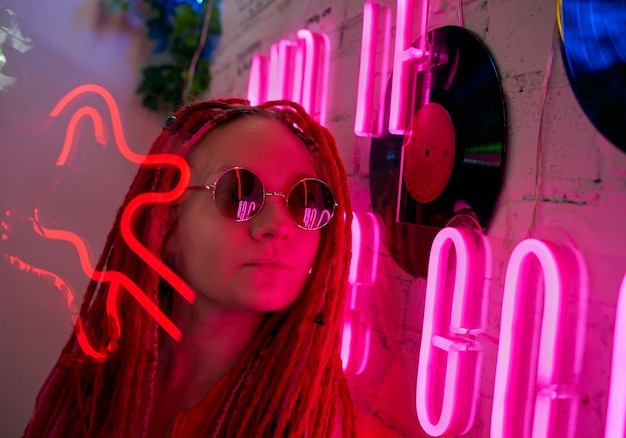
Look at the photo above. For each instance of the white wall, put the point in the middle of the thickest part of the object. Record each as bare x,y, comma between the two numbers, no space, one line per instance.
582,189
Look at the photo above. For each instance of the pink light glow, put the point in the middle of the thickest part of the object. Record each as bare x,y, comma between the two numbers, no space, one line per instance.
356,336
257,83
355,342
346,340
401,103
365,247
445,339
366,123
281,69
356,251
298,71
509,388
311,83
616,411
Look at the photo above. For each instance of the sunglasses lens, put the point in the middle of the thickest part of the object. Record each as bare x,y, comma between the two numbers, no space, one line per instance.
239,194
311,204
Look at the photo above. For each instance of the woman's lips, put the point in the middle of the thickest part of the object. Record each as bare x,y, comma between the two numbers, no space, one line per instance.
267,264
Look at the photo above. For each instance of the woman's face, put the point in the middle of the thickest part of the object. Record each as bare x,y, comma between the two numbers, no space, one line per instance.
259,265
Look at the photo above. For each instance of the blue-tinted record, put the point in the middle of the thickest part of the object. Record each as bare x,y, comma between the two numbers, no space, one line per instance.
593,46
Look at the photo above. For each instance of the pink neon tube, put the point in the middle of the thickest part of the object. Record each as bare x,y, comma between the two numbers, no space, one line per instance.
356,336
257,82
509,391
367,123
443,335
311,73
616,411
404,56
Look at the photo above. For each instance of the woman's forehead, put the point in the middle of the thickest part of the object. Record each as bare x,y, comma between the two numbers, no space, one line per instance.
259,143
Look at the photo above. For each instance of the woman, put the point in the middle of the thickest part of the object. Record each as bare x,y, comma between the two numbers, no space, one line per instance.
260,238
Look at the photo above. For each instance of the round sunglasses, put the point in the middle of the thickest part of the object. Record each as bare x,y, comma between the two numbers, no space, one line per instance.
239,194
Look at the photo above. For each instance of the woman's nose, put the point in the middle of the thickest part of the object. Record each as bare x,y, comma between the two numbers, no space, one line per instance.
272,221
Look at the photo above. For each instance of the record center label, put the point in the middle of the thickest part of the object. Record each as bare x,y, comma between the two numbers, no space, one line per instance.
429,153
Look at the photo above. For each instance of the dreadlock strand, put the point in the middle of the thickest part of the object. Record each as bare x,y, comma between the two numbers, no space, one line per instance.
155,245
146,352
319,417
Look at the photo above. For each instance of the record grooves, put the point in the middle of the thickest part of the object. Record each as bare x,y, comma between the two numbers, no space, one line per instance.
453,161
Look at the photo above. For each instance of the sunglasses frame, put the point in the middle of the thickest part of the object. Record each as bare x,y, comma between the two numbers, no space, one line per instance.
285,196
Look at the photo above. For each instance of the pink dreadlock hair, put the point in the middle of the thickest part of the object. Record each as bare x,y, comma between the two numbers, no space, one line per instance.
289,381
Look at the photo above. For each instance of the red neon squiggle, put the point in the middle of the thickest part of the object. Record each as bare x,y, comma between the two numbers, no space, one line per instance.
116,119
84,343
115,278
148,160
68,236
98,127
149,198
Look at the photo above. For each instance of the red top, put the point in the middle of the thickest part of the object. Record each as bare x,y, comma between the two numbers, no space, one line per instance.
193,422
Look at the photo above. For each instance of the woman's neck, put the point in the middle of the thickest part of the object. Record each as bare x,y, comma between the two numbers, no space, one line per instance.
213,341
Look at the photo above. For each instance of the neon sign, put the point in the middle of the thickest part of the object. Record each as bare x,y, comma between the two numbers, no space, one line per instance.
405,56
257,82
356,334
366,123
455,324
297,71
449,339
115,279
533,381
509,392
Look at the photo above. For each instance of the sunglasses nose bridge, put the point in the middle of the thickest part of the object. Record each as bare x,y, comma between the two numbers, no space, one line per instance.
282,195
272,218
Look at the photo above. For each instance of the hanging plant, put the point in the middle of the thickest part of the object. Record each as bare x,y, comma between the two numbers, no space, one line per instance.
186,33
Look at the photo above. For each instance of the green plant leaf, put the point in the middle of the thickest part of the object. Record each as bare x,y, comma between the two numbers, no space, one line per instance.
177,34
185,20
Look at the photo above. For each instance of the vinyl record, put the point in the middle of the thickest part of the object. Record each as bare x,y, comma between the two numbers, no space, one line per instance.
453,161
594,54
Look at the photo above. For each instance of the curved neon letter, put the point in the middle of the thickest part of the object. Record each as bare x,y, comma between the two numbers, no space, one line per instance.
446,340
510,390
